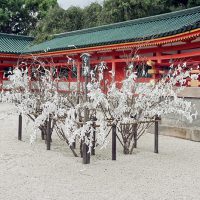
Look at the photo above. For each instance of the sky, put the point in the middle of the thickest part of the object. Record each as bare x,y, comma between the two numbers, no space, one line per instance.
81,3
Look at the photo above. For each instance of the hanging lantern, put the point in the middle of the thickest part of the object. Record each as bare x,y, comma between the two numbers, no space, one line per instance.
85,63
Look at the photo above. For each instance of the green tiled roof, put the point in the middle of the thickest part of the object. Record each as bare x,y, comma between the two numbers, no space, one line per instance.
14,44
129,31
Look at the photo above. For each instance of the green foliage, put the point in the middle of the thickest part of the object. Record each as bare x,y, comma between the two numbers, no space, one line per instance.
21,16
42,18
192,3
57,20
54,22
92,15
122,10
75,16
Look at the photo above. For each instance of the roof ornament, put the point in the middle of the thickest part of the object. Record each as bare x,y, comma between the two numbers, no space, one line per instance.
72,45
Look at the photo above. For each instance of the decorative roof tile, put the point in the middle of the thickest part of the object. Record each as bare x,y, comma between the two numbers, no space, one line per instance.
14,44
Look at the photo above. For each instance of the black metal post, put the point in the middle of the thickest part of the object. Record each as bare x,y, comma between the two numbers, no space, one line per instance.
86,154
94,139
86,66
114,138
135,135
48,137
156,135
20,127
74,144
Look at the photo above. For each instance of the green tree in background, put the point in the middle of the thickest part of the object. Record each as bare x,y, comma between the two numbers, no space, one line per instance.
75,15
122,10
92,15
21,16
192,3
55,21
42,18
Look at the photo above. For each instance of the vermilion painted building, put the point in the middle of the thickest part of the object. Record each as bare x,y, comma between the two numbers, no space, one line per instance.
151,44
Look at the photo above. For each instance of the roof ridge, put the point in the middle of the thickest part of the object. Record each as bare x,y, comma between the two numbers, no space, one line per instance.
16,36
131,22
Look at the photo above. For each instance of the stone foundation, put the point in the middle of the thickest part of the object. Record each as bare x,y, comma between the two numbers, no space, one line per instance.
176,126
179,132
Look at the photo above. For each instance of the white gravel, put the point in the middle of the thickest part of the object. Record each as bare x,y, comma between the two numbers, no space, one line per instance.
32,173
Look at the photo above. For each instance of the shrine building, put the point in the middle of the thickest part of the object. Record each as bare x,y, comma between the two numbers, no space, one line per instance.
151,44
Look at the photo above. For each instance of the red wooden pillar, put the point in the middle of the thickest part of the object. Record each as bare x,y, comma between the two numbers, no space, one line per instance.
78,75
159,54
113,70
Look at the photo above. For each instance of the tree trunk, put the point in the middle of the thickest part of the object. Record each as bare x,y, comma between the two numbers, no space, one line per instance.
129,136
126,149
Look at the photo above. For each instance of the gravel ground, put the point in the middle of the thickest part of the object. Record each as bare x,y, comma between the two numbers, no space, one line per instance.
29,172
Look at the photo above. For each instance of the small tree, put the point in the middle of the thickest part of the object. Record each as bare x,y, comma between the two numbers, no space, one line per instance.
38,99
132,103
